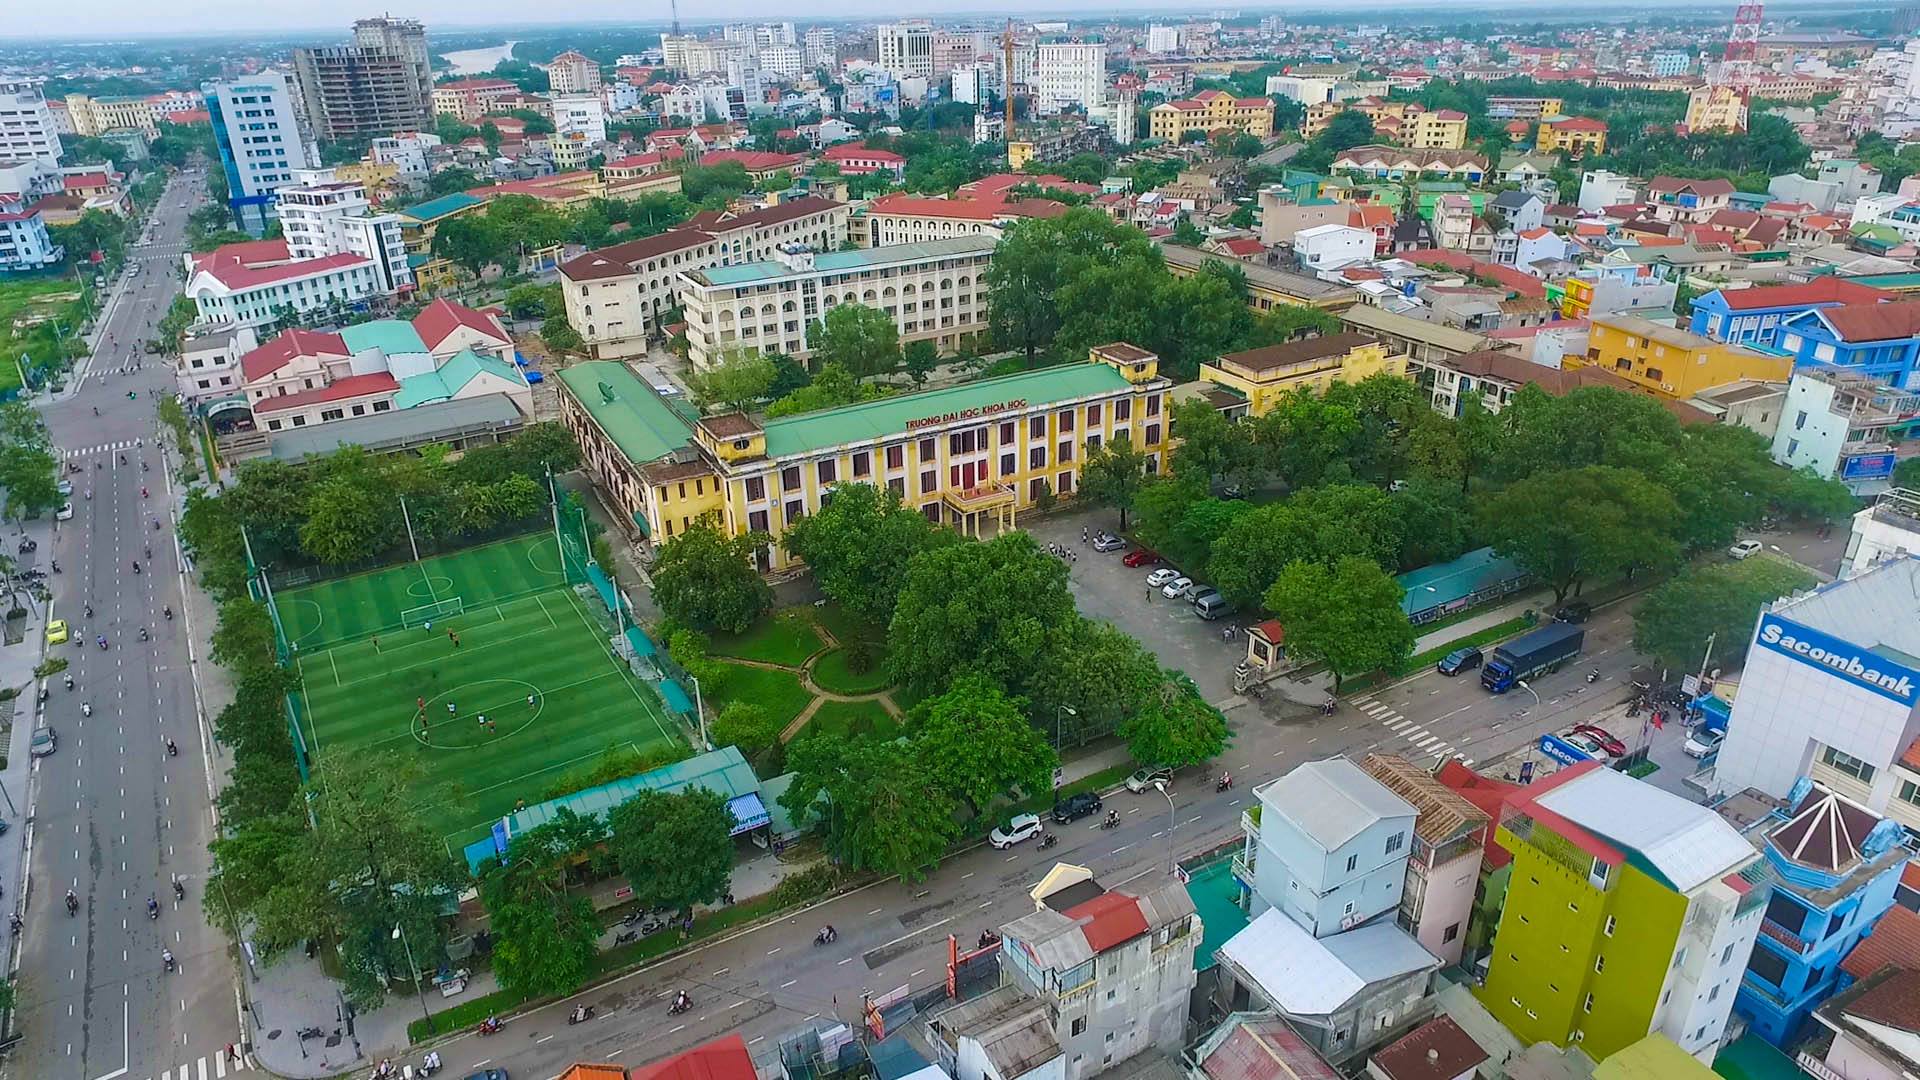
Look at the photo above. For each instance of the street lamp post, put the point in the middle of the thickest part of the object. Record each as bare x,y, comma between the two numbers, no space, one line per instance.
1161,787
418,992
1522,684
699,713
1063,710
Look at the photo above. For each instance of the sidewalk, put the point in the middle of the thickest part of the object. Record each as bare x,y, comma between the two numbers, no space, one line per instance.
17,662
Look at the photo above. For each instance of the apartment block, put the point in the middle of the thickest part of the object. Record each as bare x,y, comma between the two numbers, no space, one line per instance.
905,48
92,116
24,242
380,84
1070,74
1629,911
26,125
259,138
615,295
573,73
934,291
321,215
1208,111
1671,363
467,100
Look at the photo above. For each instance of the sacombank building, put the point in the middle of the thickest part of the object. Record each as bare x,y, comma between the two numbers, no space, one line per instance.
1829,691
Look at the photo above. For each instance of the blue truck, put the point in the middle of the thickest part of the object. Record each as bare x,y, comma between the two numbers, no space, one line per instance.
1530,654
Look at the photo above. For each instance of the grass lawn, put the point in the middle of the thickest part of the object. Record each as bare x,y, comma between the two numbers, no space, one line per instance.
846,718
845,628
25,305
778,692
363,698
787,637
830,672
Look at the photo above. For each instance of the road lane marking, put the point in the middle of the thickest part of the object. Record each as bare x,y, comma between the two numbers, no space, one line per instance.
788,983
913,934
876,911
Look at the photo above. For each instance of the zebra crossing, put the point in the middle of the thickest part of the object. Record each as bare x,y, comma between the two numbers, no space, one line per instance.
103,448
1423,742
212,1067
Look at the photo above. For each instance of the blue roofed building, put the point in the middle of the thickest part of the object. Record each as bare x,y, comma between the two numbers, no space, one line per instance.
1435,591
1835,866
723,771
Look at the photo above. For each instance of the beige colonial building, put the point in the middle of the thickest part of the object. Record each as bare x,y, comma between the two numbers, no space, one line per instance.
615,295
935,291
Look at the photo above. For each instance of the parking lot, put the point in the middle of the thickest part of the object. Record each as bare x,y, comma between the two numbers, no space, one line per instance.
1107,590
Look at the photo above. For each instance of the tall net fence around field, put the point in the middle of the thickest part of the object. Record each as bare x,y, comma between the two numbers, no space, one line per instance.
293,573
607,607
260,590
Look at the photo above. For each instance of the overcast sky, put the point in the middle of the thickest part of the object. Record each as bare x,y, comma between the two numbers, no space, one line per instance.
103,20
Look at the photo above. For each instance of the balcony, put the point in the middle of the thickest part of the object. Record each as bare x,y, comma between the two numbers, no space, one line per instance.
1817,1067
1243,867
1780,934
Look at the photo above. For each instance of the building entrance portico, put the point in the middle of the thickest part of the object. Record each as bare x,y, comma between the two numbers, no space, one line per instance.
971,509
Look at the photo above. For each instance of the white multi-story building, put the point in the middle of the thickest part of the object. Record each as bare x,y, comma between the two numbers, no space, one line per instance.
209,364
1164,39
933,291
1600,188
256,128
322,215
743,74
1889,529
978,83
580,114
254,284
685,101
819,46
905,48
26,125
24,242
1070,74
1829,690
1839,423
783,61
1328,248
573,73
407,153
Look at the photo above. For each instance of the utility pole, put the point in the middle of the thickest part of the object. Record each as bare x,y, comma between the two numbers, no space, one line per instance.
1006,42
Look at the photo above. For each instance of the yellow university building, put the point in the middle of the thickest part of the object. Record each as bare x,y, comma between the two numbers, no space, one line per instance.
1259,378
970,456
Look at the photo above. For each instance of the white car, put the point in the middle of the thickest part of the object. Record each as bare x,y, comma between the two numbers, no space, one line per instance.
1161,576
1586,746
65,513
1022,827
1145,779
1177,587
1703,742
1742,549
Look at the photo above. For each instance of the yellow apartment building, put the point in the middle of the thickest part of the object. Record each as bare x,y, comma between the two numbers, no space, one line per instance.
1672,363
1574,135
1208,111
1263,376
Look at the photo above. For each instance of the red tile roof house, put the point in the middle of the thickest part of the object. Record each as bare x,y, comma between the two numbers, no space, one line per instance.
857,159
760,164
306,377
251,283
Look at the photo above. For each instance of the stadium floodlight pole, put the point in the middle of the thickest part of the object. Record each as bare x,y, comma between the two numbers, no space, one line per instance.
433,594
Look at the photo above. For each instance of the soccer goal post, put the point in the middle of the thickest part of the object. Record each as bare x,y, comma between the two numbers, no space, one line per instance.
439,609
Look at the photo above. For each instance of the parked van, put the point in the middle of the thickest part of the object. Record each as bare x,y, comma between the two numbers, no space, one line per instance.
1210,604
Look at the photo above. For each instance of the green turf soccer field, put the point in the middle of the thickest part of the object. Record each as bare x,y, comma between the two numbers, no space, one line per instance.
371,685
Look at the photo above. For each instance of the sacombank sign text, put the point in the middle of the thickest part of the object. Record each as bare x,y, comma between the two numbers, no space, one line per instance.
1885,677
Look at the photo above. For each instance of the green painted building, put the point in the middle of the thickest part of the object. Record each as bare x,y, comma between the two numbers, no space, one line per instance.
1629,911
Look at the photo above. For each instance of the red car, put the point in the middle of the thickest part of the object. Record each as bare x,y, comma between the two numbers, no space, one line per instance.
1608,742
1139,557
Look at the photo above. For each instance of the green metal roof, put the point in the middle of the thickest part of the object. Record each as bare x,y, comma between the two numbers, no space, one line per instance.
1447,582
723,771
435,209
633,416
889,416
453,376
391,336
838,262
1655,1057
1894,282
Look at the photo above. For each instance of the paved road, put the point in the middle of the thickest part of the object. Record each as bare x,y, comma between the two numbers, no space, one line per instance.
115,818
769,981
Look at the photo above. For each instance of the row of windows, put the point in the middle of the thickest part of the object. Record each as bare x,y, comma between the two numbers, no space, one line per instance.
300,419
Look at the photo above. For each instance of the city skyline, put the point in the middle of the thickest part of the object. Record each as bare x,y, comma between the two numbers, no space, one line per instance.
164,19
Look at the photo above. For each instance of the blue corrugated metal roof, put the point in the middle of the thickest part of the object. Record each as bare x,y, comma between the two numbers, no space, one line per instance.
1448,582
723,771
